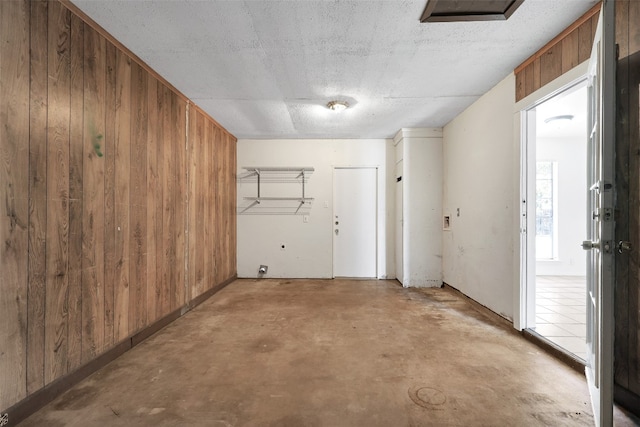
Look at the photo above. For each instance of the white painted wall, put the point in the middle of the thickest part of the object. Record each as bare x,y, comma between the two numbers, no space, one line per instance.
480,193
309,246
571,157
419,151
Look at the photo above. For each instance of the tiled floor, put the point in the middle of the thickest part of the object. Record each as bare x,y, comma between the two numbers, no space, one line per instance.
561,311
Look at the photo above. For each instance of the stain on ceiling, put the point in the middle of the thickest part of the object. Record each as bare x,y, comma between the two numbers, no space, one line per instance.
267,69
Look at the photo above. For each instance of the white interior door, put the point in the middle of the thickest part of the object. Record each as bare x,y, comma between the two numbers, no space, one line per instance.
354,222
600,228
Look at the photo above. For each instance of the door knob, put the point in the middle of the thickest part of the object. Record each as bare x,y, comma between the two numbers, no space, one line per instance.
624,246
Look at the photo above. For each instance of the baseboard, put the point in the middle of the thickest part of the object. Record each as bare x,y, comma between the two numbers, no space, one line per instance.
42,397
501,320
554,350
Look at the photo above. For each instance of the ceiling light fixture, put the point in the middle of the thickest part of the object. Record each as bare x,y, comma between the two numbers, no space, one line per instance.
561,117
337,105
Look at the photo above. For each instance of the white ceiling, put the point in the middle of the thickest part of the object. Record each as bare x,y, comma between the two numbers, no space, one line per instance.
573,102
266,69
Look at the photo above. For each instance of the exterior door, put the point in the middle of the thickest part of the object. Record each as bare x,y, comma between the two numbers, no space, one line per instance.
600,221
355,222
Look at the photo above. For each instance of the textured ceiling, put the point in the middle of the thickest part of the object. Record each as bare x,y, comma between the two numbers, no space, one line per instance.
266,69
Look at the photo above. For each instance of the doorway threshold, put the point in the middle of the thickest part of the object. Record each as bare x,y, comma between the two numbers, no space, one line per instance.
554,350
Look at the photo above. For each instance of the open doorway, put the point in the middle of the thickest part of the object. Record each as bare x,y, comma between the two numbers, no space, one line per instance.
556,183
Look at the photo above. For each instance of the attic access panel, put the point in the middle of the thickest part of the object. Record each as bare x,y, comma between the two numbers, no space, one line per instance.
469,10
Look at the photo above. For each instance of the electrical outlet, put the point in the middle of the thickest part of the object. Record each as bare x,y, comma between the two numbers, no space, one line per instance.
4,419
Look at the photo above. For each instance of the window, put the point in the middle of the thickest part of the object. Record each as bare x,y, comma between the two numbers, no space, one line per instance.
546,210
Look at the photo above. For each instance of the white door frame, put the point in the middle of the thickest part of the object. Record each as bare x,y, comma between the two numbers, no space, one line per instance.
523,314
528,204
333,215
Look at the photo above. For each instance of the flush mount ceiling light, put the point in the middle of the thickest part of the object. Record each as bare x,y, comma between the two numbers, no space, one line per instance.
561,117
337,105
469,10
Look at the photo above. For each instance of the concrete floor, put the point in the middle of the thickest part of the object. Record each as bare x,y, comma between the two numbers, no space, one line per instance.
329,353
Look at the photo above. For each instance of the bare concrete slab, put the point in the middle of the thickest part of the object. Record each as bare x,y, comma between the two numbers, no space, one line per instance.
330,353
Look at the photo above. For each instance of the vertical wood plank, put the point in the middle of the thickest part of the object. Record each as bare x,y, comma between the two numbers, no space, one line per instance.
223,189
109,195
594,27
536,75
192,218
585,41
520,85
622,34
37,195
14,208
122,203
172,199
154,193
528,80
180,139
93,195
200,185
138,212
551,64
218,217
181,201
159,202
169,227
209,207
76,168
570,54
167,211
56,311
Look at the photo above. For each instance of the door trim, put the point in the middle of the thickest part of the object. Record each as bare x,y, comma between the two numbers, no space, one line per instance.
569,79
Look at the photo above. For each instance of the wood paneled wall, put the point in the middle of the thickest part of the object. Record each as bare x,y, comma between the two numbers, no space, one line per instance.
568,49
117,196
627,290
